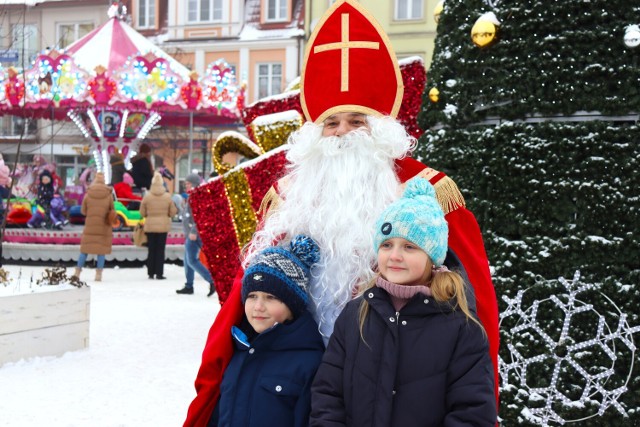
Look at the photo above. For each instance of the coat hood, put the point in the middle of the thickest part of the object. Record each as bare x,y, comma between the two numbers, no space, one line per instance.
157,185
99,179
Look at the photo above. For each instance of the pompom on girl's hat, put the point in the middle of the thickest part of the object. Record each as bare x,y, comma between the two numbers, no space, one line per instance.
418,218
283,273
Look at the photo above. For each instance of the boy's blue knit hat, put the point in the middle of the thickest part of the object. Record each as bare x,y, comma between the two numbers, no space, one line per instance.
283,273
418,218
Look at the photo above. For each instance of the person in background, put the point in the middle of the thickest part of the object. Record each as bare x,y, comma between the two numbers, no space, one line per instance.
43,200
57,210
5,184
117,168
409,350
141,168
193,244
278,346
125,194
5,179
157,208
97,234
177,198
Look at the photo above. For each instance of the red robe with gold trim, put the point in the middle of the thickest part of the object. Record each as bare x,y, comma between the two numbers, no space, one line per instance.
464,239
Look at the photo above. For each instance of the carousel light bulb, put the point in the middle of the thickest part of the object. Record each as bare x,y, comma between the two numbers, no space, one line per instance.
94,122
123,124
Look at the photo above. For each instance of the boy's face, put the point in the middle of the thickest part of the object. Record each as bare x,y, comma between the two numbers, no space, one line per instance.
264,310
45,179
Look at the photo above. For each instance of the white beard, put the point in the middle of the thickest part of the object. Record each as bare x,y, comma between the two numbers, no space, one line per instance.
335,190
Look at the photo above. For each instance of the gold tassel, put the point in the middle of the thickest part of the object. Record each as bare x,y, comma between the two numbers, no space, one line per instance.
448,195
270,201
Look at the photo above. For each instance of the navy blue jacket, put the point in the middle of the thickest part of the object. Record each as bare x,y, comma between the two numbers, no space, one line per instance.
268,381
424,366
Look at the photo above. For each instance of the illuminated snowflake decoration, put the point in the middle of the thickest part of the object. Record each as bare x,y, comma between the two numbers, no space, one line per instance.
562,353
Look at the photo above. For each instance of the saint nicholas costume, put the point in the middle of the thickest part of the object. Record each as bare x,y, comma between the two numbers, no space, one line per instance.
348,39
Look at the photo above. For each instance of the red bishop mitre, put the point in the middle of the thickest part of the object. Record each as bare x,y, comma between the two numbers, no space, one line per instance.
349,66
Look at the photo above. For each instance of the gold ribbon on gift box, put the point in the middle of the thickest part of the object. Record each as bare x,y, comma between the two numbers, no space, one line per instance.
270,131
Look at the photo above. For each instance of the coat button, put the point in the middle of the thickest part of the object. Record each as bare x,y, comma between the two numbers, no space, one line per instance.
370,294
392,319
278,388
393,392
252,350
426,301
404,322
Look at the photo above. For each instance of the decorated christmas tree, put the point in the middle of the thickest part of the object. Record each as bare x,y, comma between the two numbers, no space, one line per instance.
532,107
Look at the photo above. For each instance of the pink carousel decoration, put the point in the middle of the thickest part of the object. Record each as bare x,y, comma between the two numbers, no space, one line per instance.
116,85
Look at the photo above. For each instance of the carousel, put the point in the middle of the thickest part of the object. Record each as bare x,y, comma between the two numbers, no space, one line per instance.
115,86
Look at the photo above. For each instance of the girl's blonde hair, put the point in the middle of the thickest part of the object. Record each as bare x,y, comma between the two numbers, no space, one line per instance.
445,286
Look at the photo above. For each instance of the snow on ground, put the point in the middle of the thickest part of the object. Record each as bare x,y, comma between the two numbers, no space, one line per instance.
144,353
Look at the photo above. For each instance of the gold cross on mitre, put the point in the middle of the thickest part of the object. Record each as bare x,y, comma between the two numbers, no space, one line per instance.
344,45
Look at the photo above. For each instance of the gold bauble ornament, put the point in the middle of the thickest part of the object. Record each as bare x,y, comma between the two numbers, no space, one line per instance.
485,31
437,11
434,94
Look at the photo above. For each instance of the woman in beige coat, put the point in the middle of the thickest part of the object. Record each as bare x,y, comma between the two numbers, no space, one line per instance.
157,208
97,233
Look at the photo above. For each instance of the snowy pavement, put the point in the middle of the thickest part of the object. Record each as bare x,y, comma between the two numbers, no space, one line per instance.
144,353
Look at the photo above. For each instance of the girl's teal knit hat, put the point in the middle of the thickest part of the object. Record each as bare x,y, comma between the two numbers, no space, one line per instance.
418,218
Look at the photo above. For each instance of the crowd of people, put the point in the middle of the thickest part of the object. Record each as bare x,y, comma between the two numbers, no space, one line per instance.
138,188
145,189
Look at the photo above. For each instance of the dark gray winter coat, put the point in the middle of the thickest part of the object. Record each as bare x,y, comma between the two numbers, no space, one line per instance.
424,366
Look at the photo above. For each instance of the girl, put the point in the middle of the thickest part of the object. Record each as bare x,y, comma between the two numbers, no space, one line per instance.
408,351
278,346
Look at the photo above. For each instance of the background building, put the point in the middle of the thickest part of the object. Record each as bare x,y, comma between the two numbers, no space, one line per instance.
263,41
408,23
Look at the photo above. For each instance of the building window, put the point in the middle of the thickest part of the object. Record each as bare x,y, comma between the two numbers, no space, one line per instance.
24,39
13,126
269,79
146,13
277,10
69,33
409,9
204,10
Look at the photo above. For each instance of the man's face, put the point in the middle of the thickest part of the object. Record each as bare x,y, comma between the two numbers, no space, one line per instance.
342,123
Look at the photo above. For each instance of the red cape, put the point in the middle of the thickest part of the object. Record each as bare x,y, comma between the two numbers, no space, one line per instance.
464,239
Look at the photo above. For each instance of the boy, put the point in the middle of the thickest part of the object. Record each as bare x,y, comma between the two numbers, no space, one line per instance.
278,347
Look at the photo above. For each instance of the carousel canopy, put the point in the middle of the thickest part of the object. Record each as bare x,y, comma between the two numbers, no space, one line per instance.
115,85
113,44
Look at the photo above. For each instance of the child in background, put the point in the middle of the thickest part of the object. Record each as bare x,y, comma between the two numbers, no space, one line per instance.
124,193
278,346
56,211
43,200
408,351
